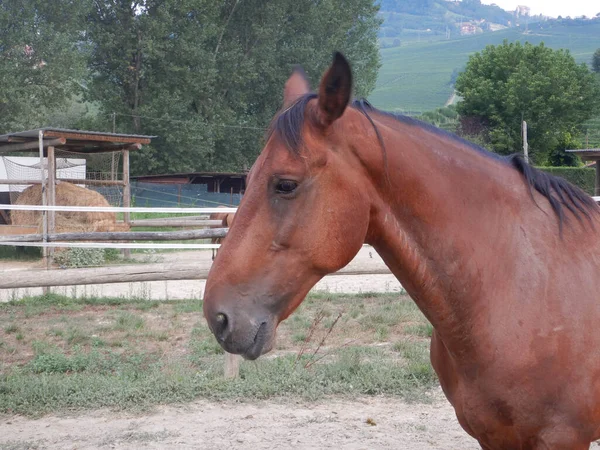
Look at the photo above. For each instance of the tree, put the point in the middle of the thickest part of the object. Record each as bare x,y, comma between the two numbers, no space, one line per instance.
596,61
40,61
506,84
206,77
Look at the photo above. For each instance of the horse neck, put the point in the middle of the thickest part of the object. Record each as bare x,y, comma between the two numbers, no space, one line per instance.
435,215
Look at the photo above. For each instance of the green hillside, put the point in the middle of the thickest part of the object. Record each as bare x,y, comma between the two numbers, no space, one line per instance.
419,77
412,19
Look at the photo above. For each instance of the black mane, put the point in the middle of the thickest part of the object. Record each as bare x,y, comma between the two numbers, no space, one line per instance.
288,125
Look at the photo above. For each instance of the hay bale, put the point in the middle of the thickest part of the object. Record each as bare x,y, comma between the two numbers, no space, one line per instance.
68,194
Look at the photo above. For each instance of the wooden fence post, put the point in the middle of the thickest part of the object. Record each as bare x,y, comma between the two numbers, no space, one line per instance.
126,196
232,365
51,199
44,189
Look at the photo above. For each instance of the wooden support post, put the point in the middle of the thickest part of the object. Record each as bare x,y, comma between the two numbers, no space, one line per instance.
51,199
525,143
597,184
126,196
232,365
45,289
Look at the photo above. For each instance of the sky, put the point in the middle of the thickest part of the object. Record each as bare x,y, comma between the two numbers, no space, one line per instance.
552,8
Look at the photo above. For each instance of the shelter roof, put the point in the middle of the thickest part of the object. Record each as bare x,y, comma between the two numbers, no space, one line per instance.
71,140
586,153
193,174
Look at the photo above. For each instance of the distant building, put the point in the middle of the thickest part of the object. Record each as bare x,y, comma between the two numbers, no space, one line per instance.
522,11
217,182
469,29
496,27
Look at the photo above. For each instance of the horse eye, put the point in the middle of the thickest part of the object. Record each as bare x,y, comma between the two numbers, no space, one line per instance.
286,186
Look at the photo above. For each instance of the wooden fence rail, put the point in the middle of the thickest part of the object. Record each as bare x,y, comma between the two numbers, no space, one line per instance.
125,274
120,236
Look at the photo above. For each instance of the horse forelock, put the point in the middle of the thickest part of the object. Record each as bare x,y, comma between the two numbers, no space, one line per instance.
288,124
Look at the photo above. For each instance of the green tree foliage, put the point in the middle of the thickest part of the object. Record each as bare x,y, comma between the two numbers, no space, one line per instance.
596,61
207,76
506,84
41,63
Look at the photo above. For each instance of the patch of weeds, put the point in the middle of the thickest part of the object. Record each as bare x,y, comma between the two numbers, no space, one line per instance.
355,312
95,341
112,255
416,356
298,337
299,321
24,445
368,294
76,336
42,347
410,349
390,314
200,349
137,436
421,329
188,306
19,336
146,305
160,336
12,328
80,257
382,333
56,332
58,362
127,321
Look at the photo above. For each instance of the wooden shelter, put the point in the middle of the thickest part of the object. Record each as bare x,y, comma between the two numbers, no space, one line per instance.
220,182
47,140
590,154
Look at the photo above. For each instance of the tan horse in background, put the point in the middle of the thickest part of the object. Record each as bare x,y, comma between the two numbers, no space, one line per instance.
490,249
226,221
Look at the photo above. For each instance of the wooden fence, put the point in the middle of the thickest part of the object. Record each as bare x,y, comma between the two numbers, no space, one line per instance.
123,274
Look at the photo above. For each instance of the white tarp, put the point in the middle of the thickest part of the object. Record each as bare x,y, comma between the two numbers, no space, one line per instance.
65,168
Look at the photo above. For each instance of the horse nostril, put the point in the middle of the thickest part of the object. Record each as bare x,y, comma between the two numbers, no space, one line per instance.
221,323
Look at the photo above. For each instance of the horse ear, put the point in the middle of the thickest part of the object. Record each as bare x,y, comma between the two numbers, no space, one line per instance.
335,90
295,87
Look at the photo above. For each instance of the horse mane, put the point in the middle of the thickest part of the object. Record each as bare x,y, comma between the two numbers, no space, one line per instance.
288,125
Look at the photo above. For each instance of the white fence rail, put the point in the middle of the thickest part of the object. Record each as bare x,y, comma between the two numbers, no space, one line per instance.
117,209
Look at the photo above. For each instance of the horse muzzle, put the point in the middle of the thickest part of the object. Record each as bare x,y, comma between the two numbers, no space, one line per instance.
242,333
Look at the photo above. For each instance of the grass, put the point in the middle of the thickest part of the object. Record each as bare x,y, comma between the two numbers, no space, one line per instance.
104,352
419,77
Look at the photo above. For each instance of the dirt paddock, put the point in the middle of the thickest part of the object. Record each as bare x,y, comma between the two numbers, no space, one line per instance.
362,423
263,425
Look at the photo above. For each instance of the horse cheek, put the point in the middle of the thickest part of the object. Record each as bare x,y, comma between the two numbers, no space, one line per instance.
343,235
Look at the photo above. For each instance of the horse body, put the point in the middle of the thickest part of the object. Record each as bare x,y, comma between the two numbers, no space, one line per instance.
512,340
490,250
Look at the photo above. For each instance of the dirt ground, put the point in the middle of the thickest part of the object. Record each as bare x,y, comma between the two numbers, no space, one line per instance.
365,423
263,425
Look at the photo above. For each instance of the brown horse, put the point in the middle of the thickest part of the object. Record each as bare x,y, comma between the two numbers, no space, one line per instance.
226,221
490,249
